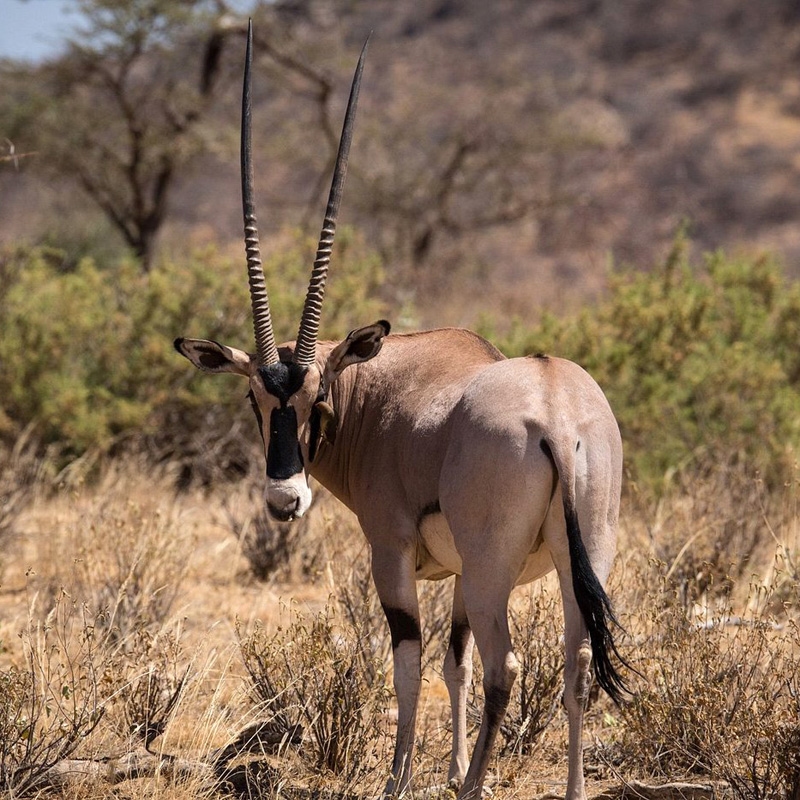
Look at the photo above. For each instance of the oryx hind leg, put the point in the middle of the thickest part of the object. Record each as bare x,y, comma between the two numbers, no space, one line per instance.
577,681
486,603
599,538
457,678
496,531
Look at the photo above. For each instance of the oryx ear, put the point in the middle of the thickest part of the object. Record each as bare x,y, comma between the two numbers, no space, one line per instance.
360,345
214,357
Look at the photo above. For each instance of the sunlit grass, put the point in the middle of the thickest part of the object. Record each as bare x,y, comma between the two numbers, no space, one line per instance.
159,585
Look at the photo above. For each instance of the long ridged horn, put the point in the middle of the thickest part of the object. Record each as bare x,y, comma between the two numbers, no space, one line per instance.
306,347
267,352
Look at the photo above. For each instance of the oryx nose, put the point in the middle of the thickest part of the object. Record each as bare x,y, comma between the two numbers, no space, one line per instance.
288,500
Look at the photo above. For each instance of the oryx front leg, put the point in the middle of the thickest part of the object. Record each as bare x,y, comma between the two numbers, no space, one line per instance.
393,573
458,677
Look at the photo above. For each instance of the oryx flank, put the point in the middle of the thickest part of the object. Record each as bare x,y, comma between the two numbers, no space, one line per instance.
457,461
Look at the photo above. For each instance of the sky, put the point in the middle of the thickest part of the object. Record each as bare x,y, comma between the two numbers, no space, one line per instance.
34,29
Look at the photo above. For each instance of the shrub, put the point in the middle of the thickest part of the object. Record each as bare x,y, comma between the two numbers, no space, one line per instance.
121,554
699,362
51,702
720,698
713,528
147,682
316,676
282,551
537,631
87,354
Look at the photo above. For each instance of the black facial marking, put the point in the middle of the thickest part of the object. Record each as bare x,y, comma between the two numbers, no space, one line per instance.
402,626
284,458
282,380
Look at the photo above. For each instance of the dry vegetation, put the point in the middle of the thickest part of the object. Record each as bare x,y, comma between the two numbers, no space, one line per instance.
145,629
160,638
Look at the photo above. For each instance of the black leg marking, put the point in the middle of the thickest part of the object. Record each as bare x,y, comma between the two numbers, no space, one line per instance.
495,705
459,636
402,625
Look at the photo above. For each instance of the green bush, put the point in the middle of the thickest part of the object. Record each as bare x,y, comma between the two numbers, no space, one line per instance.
700,363
87,357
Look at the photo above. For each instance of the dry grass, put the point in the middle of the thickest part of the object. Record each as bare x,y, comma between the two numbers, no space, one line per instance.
131,617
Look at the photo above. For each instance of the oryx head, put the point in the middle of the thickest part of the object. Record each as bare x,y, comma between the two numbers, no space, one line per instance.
288,388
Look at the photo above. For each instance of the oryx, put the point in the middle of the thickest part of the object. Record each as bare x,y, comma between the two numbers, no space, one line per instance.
456,461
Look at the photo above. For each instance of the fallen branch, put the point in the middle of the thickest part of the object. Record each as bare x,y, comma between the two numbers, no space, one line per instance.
214,771
635,790
138,764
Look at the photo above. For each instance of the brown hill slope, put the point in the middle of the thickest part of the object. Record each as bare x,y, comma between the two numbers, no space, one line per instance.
506,149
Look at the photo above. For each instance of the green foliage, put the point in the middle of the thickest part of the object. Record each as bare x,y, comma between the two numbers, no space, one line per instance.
87,355
699,362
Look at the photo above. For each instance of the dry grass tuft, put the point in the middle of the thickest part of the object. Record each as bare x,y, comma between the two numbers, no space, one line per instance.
319,684
120,604
121,552
720,697
52,699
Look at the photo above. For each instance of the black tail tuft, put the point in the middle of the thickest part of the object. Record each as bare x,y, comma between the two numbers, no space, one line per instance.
597,613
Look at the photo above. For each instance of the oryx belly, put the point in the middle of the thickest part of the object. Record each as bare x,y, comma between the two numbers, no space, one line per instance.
438,556
536,565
